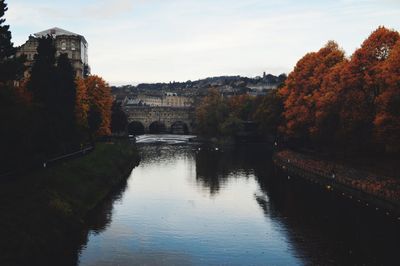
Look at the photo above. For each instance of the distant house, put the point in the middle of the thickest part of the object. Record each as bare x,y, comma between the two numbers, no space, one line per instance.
66,42
166,100
174,100
262,87
131,101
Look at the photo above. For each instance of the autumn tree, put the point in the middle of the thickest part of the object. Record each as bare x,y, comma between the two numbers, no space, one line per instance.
82,104
362,85
211,113
387,118
301,88
100,100
94,121
325,131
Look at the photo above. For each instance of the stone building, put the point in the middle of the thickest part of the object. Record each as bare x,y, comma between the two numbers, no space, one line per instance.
66,42
165,100
174,100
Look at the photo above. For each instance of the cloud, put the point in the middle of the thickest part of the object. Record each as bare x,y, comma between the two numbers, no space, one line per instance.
107,9
162,40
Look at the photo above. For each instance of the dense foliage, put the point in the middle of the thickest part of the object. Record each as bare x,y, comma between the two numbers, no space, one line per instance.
119,119
334,102
226,117
328,101
13,112
49,113
100,99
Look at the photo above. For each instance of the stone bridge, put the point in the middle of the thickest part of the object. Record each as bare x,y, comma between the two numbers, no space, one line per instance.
153,119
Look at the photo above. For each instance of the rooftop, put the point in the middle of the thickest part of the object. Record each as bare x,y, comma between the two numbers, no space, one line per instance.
57,32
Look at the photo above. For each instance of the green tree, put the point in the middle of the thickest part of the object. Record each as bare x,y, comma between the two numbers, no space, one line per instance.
119,120
43,74
94,121
43,86
268,115
11,67
15,144
211,113
53,87
65,102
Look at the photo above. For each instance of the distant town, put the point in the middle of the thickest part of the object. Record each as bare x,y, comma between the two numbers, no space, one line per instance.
186,94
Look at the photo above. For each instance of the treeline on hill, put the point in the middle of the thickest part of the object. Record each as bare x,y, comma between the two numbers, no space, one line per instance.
234,81
328,102
50,113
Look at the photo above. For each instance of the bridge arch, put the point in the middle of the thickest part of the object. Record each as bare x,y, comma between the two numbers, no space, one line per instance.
179,127
166,115
157,127
136,128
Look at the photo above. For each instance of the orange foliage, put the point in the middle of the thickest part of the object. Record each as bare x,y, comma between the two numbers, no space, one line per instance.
82,103
22,92
362,82
302,87
99,95
329,98
387,119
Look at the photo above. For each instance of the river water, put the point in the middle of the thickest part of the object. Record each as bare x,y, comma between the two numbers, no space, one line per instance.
190,204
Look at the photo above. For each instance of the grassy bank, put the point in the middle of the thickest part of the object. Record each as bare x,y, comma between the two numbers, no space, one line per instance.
43,211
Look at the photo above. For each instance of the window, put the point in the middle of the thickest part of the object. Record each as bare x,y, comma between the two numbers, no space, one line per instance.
73,46
63,46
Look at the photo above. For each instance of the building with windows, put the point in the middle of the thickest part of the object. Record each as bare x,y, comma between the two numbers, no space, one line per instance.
174,100
66,42
165,100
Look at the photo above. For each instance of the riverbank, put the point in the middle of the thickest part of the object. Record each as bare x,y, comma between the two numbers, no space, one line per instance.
370,189
41,209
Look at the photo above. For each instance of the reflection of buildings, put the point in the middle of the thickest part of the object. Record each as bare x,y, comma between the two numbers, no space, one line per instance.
72,44
166,100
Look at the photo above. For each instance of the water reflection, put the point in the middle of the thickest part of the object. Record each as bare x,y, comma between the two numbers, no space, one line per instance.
168,212
100,217
189,204
215,167
328,230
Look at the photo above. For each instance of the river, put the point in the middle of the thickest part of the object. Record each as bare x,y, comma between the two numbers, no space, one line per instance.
189,204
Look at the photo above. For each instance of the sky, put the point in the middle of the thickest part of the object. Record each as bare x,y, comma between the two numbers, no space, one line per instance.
134,41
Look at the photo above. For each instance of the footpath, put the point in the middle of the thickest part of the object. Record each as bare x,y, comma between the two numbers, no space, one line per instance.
372,190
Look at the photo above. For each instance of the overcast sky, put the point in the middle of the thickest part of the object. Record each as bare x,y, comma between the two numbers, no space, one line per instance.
133,41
